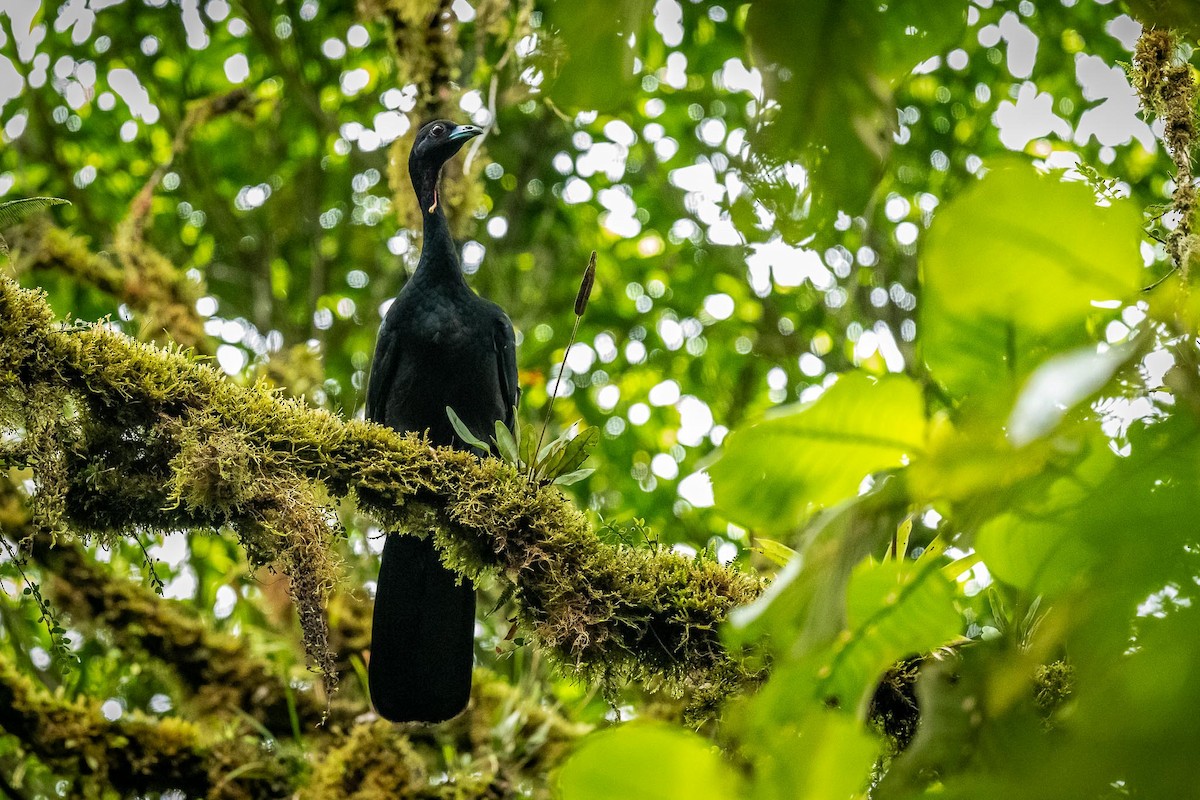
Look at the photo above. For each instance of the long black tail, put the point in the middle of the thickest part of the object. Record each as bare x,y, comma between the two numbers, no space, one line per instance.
422,635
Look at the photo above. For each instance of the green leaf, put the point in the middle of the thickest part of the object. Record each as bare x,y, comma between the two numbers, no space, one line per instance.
893,610
528,440
648,761
777,553
505,444
899,549
1181,14
14,211
573,454
551,448
568,478
1011,272
804,608
830,65
1113,522
1037,545
596,68
774,473
1062,383
464,432
827,757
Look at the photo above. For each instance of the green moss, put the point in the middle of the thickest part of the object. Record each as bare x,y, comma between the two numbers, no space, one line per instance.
376,762
1053,685
145,280
1166,86
165,442
135,754
894,712
219,672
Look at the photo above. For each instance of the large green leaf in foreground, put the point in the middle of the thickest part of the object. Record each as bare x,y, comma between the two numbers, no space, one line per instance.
774,472
1011,271
648,761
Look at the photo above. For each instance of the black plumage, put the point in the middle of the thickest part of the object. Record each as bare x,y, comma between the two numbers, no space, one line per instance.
440,345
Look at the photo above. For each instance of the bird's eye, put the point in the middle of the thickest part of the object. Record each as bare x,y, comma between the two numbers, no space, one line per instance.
438,130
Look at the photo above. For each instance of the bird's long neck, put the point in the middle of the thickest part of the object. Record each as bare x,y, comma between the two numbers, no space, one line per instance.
439,257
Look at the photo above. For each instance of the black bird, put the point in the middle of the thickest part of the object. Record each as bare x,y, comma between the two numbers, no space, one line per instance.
440,345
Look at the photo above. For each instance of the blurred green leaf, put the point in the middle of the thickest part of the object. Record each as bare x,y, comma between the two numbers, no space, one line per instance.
828,756
829,65
893,610
804,608
646,760
777,553
1062,383
773,473
595,69
1181,14
1011,271
1031,548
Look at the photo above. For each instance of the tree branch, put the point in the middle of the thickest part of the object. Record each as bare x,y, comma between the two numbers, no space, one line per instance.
1167,89
154,287
135,753
163,442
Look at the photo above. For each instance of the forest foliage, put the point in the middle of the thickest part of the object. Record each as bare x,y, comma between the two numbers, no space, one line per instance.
890,373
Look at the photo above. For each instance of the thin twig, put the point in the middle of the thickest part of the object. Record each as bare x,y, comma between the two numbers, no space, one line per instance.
581,301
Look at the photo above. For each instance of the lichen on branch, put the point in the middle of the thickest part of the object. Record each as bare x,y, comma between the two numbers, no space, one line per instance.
1166,86
155,439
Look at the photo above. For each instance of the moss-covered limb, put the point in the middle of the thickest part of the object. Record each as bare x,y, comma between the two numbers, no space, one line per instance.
1166,87
167,443
505,747
152,287
220,672
527,740
376,761
511,741
136,753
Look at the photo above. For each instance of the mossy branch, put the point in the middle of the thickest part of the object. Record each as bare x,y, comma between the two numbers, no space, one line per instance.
512,742
155,288
1166,88
163,442
507,746
220,672
135,754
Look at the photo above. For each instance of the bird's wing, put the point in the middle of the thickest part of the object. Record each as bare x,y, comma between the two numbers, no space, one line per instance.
383,371
506,366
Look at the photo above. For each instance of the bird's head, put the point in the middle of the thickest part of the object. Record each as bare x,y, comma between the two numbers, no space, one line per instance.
437,142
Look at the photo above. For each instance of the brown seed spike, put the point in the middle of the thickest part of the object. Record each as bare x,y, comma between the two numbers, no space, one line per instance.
585,286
